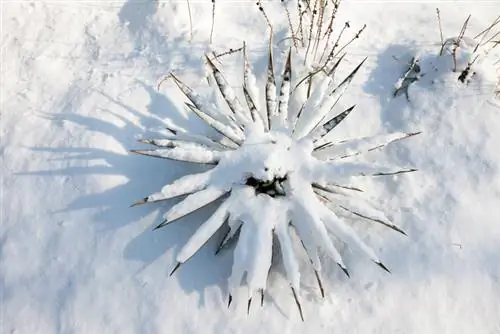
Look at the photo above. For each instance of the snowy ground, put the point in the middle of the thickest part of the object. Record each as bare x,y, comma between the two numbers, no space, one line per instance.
79,86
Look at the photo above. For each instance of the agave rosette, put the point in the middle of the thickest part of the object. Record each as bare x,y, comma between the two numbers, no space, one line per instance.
273,168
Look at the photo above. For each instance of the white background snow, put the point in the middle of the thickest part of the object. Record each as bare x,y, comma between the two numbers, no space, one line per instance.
78,86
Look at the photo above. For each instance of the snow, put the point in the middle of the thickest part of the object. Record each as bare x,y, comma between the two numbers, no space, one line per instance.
79,86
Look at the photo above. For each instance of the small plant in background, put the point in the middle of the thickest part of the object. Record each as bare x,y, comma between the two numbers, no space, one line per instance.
458,54
412,74
271,161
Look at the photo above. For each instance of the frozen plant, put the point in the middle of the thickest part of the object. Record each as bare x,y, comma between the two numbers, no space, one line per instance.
275,171
466,56
411,75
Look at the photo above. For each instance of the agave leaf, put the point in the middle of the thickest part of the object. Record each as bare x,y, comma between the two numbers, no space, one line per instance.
297,302
366,215
323,130
256,116
192,154
285,92
249,90
200,102
261,258
203,233
192,203
178,133
270,87
289,259
313,104
349,148
326,172
320,284
336,189
307,221
224,113
181,138
229,95
176,267
337,227
344,232
185,185
309,245
355,207
224,130
328,103
175,143
231,234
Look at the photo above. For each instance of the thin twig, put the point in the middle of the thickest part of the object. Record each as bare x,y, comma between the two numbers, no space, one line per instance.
311,27
287,38
300,29
456,44
164,78
330,54
495,44
492,37
322,8
329,29
294,39
440,31
213,21
190,21
226,53
488,29
261,9
486,32
356,36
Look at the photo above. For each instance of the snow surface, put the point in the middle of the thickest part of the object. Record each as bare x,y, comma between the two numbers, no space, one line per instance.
79,87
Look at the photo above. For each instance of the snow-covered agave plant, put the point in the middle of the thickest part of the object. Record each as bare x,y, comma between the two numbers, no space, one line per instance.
273,167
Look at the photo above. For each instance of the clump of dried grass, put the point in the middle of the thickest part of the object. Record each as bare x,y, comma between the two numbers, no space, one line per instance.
464,51
483,45
312,28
